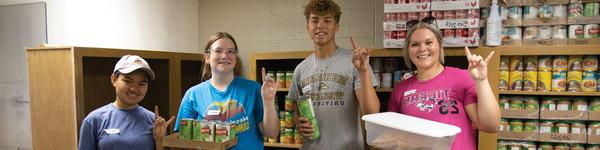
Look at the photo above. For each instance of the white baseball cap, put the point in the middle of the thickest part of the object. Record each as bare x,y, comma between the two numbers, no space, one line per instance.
130,63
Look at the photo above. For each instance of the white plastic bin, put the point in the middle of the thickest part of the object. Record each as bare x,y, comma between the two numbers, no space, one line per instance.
390,130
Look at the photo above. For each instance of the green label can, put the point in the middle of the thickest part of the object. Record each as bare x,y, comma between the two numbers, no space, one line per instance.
530,126
223,132
196,126
516,125
595,104
531,103
207,132
516,103
306,110
185,128
590,9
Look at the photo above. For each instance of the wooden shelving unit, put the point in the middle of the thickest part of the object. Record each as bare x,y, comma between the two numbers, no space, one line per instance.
66,83
550,93
280,145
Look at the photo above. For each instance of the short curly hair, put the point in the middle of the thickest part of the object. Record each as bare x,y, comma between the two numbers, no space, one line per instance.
322,7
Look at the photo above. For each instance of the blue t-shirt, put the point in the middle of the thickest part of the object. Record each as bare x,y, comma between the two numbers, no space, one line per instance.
240,103
111,128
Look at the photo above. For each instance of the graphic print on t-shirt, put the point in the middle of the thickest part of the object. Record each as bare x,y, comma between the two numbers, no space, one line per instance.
323,92
230,110
427,101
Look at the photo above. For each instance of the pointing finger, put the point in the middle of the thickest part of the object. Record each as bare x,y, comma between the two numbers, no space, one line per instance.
171,120
487,59
467,52
264,75
156,111
354,46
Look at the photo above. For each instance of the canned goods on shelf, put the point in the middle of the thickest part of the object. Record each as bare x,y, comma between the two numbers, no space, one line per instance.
516,125
505,61
580,104
590,31
516,63
575,31
544,81
575,10
516,80
574,80
530,32
589,82
590,9
594,104
530,80
559,63
545,11
559,81
590,63
559,32
504,78
560,11
530,12
548,103
545,32
563,105
575,63
545,62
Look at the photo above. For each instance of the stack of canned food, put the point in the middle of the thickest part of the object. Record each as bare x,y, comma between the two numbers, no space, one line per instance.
287,132
584,30
387,71
549,103
528,145
205,130
283,78
574,73
518,125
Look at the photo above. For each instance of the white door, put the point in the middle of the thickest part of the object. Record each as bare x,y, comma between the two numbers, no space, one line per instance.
22,25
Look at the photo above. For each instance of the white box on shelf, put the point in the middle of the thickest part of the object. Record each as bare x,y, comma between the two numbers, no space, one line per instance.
394,25
454,5
410,7
393,43
398,131
458,23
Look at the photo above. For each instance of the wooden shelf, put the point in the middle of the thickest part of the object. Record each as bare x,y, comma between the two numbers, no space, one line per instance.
549,50
280,145
283,90
376,90
550,93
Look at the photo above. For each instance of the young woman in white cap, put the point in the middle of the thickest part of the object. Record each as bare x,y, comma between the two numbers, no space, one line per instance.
123,124
227,97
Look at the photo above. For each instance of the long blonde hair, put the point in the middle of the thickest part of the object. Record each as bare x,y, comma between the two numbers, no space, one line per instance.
206,70
421,25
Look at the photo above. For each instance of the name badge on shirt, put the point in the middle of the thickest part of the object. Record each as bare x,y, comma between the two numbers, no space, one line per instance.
213,112
306,89
410,92
112,131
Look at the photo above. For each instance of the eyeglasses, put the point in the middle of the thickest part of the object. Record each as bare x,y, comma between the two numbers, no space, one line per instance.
429,20
229,51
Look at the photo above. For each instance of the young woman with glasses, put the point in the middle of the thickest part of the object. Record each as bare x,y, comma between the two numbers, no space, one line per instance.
445,94
225,96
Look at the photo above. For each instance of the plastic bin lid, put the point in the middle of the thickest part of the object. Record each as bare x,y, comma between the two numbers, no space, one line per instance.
412,124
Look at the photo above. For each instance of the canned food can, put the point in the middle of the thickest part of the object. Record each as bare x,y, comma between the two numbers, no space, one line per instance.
389,17
545,11
504,102
271,74
196,127
577,147
580,104
297,137
403,16
529,145
546,126
450,14
546,146
397,76
389,65
574,80
575,63
530,63
502,145
548,103
531,103
594,104
559,63
594,128
530,12
185,128
590,81
280,79
386,80
287,136
504,78
530,81
503,12
575,31
473,13
376,64
562,127
207,132
561,146
590,9
516,80
544,81
462,33
439,15
531,32
516,125
544,62
559,81
515,12
504,63
516,63
575,10
461,14
545,32
560,11
223,132
413,16
590,31
559,32
516,103
306,109
590,63
530,126
289,76
448,33
513,33
289,104
563,104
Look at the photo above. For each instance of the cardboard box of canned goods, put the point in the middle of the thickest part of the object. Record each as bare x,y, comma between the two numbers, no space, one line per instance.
174,141
397,131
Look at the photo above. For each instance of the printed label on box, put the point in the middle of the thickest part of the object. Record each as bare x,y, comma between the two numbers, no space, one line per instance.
454,5
461,41
411,7
458,23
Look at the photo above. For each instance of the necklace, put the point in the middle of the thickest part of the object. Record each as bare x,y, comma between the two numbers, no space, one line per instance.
322,85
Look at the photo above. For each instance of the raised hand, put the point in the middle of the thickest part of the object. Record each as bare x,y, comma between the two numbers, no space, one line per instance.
160,125
361,56
477,65
269,87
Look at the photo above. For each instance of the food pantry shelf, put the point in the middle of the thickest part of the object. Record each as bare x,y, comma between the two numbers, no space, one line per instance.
280,145
550,93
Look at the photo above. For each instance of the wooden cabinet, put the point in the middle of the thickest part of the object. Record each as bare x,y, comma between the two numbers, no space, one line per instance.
287,61
66,83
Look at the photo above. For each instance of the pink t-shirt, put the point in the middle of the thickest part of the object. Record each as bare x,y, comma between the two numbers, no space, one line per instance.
442,99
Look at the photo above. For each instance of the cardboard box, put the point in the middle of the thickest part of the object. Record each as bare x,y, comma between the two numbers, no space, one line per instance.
542,2
410,7
174,141
393,43
511,22
583,41
398,131
594,116
461,41
564,115
593,139
521,114
545,21
453,5
521,136
584,20
563,138
547,42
